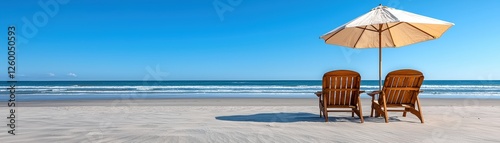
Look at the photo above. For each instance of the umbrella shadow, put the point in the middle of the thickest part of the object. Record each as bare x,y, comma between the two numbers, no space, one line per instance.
284,118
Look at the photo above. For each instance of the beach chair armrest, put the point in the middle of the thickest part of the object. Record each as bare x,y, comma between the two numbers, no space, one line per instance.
318,93
362,91
373,93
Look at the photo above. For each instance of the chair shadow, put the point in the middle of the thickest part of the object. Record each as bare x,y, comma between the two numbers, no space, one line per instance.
391,119
285,118
398,119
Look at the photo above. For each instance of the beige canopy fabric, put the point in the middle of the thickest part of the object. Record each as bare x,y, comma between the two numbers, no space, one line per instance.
386,27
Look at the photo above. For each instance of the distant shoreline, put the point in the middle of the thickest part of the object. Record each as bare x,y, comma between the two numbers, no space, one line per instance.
92,80
100,98
100,90
238,102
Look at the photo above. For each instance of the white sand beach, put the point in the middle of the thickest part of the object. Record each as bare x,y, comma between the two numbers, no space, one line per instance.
246,120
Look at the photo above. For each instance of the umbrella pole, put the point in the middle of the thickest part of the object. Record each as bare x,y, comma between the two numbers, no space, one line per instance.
380,57
379,68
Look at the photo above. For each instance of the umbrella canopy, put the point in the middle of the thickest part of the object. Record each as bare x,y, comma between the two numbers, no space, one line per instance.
386,27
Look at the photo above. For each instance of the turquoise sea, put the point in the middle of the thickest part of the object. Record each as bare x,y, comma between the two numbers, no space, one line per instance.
64,90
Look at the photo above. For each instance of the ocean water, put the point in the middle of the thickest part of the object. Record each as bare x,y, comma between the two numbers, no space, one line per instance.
54,90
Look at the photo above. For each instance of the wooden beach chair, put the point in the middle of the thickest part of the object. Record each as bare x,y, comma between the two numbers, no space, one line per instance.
400,90
340,90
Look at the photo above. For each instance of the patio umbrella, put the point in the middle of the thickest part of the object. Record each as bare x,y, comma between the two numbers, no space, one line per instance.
386,27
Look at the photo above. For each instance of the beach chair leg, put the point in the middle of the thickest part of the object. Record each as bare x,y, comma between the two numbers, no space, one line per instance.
386,116
361,116
326,116
371,112
375,111
421,117
360,111
320,111
320,108
352,114
404,113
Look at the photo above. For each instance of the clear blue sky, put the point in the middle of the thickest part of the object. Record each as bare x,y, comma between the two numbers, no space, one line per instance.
258,39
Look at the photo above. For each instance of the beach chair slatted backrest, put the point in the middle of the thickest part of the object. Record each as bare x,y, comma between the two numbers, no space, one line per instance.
402,86
341,87
340,90
401,89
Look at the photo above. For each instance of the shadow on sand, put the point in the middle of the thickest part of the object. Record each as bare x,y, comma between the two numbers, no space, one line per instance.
285,118
303,117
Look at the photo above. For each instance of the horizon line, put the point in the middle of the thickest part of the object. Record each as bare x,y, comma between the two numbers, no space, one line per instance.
10,81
